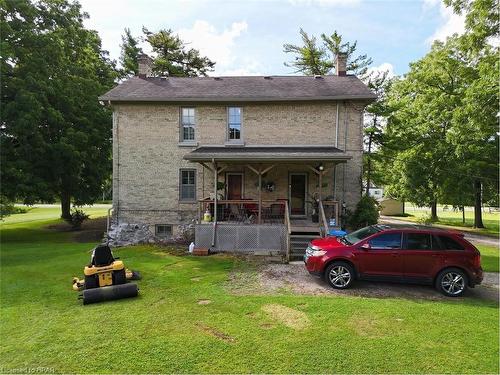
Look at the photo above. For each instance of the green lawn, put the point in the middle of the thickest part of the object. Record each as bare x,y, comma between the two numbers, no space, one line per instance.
489,257
490,220
166,330
43,213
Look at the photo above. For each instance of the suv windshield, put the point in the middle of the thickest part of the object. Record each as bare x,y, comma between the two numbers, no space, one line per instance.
360,234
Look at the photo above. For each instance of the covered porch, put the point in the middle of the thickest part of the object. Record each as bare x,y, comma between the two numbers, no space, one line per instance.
254,198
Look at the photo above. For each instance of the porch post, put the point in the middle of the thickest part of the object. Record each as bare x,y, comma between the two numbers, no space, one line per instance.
320,178
216,177
260,194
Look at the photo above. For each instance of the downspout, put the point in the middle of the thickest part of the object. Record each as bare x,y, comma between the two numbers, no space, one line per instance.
337,146
116,209
337,127
345,149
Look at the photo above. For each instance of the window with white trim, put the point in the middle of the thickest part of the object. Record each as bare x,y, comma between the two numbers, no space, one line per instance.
187,185
187,124
234,123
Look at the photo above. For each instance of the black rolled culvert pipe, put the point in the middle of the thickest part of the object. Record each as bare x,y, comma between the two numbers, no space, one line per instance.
109,293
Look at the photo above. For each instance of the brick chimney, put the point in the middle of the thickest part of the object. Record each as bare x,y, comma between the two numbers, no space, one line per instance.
145,65
341,64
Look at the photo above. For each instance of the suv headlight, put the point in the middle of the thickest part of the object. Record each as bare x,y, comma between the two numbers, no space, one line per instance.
313,251
318,253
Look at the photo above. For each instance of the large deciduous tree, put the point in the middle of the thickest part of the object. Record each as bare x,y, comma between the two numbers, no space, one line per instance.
313,59
443,135
482,21
55,136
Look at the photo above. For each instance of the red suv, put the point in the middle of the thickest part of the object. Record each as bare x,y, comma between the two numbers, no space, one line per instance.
402,253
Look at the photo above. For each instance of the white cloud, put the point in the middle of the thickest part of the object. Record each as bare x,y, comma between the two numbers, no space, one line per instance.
451,22
249,67
326,2
215,45
384,67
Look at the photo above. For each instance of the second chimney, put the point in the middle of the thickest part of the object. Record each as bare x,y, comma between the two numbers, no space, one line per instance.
145,65
341,65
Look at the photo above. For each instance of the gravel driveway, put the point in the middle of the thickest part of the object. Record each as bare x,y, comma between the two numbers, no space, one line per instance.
293,277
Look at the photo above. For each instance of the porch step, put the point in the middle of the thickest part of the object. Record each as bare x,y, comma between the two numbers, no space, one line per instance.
298,244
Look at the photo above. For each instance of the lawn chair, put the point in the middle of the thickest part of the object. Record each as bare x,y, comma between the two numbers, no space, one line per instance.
236,213
276,213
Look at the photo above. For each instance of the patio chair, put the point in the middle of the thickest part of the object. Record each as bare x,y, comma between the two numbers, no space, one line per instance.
236,213
276,212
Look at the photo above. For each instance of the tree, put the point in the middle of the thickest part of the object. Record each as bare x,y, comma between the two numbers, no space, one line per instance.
172,58
356,65
424,104
130,51
482,21
55,137
311,59
375,118
443,140
475,137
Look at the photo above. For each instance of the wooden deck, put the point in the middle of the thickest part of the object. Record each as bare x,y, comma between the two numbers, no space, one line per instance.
303,226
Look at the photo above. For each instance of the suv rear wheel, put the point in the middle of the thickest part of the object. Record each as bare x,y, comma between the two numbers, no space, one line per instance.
340,275
452,282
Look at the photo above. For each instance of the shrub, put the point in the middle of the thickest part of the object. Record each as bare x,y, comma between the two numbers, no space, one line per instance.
8,208
366,213
76,219
425,220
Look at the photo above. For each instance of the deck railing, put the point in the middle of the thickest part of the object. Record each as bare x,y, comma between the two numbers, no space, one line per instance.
244,211
288,231
323,224
328,216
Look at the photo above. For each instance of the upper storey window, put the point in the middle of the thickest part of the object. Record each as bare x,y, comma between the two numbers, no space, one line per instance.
234,123
187,124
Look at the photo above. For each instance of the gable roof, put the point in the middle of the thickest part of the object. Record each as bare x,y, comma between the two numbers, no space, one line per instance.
239,89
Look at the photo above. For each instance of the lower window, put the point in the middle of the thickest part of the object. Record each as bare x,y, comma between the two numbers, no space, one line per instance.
163,230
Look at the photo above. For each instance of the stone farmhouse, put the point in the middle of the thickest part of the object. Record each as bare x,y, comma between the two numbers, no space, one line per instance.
255,164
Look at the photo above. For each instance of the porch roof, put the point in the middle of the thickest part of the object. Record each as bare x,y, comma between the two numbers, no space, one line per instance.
270,153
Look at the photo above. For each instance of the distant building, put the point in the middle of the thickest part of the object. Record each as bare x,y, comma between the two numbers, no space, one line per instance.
391,207
376,192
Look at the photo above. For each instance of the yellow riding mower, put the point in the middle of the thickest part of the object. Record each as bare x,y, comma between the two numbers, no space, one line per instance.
105,278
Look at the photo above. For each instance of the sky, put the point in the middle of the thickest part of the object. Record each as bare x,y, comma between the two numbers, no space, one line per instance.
247,37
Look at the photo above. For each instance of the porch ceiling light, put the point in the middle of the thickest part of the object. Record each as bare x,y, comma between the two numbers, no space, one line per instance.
320,167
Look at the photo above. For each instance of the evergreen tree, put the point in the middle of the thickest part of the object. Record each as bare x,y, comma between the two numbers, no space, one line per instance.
130,51
357,65
172,58
311,59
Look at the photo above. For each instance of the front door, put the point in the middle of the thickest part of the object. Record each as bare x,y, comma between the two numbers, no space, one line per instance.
297,194
234,186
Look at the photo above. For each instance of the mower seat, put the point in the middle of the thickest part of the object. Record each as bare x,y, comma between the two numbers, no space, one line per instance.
102,256
104,269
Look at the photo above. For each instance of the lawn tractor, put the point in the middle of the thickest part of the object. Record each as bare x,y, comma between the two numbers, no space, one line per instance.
106,278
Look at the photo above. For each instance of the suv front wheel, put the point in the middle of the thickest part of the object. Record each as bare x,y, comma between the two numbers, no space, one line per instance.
340,275
452,282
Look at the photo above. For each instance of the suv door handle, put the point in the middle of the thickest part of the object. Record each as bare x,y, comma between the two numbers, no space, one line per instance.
395,254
